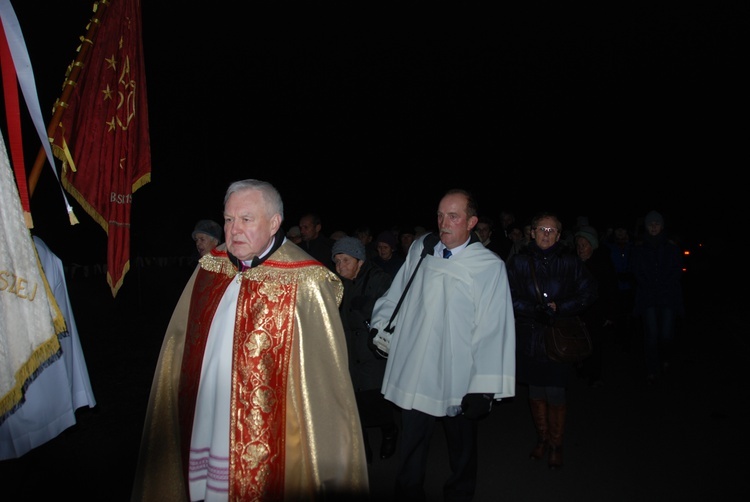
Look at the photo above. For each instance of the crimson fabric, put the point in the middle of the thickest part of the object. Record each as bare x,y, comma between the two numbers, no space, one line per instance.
103,136
13,116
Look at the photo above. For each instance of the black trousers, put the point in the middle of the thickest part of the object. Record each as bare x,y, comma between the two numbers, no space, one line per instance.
413,449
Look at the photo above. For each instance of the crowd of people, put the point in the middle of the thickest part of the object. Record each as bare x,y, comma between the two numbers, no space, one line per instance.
408,329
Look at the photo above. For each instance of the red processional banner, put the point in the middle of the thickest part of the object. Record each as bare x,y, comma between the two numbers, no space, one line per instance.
103,135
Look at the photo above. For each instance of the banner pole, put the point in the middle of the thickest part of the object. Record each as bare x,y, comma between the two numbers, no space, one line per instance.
70,82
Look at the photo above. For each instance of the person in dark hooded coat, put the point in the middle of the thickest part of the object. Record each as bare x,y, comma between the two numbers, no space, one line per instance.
657,265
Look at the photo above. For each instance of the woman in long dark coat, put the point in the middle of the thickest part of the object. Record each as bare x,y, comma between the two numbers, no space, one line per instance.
568,289
364,282
601,315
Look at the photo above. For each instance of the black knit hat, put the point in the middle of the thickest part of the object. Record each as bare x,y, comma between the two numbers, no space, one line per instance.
351,246
209,227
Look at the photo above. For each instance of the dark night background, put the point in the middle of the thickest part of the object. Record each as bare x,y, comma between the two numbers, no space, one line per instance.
368,117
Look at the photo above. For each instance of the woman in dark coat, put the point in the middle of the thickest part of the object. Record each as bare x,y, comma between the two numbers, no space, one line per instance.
600,316
364,282
568,289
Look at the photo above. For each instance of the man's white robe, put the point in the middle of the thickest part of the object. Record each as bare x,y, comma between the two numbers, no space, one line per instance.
454,333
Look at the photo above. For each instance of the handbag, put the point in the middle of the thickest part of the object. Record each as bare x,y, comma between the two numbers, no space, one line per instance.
567,339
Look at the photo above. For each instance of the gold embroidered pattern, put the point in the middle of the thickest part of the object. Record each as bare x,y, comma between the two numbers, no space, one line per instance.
261,355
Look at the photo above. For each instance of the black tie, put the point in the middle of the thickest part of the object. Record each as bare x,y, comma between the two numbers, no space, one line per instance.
447,253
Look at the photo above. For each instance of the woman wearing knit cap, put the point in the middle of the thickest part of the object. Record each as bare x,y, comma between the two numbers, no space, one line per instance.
599,317
363,284
207,234
657,266
294,234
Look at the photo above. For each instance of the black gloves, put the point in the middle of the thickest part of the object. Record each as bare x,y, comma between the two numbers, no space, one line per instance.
543,314
476,406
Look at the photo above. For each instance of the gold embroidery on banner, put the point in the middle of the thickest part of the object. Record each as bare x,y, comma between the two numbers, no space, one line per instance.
17,285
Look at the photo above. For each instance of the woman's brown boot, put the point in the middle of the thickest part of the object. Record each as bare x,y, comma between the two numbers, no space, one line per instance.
539,414
556,414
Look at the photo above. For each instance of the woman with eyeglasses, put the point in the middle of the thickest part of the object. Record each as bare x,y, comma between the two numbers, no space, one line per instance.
567,288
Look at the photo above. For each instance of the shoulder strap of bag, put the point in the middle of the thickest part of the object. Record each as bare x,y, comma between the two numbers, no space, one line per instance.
429,246
533,276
